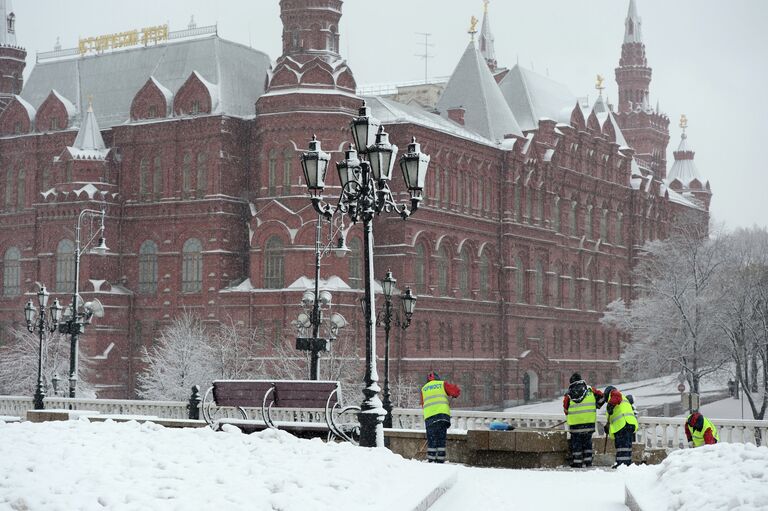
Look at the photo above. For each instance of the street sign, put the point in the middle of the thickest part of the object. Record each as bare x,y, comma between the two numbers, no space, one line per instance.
681,387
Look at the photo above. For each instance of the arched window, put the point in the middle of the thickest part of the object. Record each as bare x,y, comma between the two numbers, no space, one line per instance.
287,171
529,205
186,171
619,234
446,195
460,190
9,186
148,267
272,170
520,281
540,207
273,264
21,193
464,273
69,171
604,292
588,294
539,283
437,187
45,181
192,266
157,177
485,270
616,287
12,272
556,214
572,303
516,205
65,266
442,272
355,257
588,222
202,174
144,179
604,225
420,269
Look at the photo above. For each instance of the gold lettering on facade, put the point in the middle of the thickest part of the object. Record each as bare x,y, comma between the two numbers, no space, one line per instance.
101,43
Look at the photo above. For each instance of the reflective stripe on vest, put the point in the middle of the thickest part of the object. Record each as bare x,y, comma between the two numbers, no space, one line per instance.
435,399
698,436
584,412
622,415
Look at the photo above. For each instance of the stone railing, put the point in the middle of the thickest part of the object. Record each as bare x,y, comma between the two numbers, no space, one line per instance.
654,432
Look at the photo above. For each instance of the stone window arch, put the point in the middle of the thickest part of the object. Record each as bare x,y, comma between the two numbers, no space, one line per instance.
443,284
355,257
12,272
65,266
274,261
464,273
192,266
148,267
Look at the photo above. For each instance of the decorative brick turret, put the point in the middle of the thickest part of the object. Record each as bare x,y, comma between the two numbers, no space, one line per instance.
12,57
645,129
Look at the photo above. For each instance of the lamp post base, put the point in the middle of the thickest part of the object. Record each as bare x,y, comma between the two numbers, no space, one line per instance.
371,427
39,397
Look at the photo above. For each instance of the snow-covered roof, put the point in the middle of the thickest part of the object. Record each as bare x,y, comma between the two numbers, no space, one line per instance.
89,144
684,169
633,26
31,112
392,112
238,72
677,197
68,105
473,88
166,92
532,96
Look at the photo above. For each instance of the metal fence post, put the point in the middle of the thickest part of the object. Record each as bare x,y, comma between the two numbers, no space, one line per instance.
194,403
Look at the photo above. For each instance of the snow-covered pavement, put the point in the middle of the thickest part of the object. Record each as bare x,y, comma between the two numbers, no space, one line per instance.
78,465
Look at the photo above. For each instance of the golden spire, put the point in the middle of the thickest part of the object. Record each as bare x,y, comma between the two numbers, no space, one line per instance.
683,122
485,6
473,27
600,83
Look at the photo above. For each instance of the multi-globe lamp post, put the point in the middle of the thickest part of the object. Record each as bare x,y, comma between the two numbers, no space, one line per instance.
77,320
44,326
389,316
364,175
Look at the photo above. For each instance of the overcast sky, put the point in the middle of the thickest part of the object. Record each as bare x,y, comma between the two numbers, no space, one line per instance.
709,58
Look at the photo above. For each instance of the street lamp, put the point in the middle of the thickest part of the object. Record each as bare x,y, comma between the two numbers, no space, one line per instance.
44,325
408,304
315,303
76,320
365,193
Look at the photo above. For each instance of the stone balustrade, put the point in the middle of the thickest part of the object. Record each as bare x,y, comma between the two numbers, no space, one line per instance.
654,432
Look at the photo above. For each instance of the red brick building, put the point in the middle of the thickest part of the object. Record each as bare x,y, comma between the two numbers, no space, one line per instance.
535,203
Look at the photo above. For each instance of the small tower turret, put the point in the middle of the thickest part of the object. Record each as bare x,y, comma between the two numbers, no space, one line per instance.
12,57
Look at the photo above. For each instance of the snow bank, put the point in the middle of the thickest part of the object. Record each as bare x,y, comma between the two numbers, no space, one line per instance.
721,477
82,465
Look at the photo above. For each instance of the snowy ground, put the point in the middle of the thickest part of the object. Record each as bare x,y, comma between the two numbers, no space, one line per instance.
79,465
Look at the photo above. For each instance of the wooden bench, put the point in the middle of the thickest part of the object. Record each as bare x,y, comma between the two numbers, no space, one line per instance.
286,394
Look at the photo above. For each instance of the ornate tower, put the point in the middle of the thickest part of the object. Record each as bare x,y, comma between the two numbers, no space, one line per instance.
12,58
646,129
487,41
684,176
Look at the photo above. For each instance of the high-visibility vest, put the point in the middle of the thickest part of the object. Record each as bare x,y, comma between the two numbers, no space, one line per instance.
435,399
582,416
698,436
622,415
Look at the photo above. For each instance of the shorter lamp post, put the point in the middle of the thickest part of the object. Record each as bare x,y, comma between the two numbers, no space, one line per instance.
386,318
43,326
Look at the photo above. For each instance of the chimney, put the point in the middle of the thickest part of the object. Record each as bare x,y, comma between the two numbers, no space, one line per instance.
457,114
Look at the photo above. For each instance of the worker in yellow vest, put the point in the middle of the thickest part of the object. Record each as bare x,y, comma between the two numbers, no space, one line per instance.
700,431
622,423
580,408
437,415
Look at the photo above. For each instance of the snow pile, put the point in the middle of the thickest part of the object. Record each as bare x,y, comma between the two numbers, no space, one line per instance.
721,477
79,465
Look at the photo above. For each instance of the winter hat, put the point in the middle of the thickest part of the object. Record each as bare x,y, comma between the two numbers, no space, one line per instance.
575,377
433,376
608,390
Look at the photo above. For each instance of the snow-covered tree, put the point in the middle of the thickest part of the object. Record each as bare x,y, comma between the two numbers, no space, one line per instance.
672,319
181,357
18,364
742,313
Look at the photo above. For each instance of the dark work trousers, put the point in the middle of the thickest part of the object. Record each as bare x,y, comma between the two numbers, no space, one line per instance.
437,428
623,441
581,449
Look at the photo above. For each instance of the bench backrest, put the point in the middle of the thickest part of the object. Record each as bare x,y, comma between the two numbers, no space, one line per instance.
286,394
